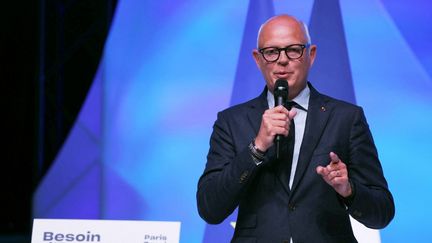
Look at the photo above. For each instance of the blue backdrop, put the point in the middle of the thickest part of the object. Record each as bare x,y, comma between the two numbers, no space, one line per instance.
140,142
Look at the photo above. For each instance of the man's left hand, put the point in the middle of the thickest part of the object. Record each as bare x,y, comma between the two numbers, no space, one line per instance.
336,175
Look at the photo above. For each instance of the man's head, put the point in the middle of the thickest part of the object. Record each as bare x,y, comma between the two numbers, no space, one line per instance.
284,31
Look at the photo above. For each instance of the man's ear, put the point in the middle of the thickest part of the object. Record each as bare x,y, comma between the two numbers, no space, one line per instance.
256,57
312,54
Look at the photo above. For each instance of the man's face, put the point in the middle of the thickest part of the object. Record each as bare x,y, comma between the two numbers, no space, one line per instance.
282,32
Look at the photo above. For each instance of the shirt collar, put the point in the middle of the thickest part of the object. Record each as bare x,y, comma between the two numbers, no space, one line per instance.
302,98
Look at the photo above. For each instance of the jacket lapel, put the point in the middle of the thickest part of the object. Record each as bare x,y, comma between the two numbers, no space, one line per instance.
257,108
317,117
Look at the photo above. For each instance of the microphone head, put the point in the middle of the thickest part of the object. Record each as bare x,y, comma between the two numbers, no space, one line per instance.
281,89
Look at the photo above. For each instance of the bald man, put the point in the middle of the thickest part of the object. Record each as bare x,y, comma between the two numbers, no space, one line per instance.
331,172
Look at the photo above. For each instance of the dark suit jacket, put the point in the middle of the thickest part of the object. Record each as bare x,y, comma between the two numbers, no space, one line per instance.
311,211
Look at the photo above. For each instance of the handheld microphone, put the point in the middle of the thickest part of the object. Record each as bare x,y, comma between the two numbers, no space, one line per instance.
280,93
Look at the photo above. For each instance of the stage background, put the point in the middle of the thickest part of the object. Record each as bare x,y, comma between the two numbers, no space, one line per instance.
139,144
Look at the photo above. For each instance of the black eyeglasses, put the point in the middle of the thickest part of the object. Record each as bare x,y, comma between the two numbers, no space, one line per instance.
271,54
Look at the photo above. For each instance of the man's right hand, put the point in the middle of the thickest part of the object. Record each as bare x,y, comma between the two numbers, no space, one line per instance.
274,121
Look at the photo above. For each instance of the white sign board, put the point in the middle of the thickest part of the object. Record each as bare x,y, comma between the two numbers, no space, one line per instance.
104,231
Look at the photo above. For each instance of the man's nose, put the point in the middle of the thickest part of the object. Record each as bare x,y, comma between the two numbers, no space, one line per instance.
283,58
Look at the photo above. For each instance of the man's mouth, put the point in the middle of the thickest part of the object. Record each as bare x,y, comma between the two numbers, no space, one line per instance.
282,74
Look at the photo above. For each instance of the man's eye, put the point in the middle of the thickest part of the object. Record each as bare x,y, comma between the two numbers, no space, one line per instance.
294,50
271,52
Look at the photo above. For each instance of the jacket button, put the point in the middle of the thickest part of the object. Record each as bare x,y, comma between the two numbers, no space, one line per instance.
357,213
244,176
291,207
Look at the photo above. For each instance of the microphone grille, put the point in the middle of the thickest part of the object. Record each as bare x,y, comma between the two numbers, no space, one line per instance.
281,87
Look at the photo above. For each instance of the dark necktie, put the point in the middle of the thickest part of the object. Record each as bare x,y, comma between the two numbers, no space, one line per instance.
291,138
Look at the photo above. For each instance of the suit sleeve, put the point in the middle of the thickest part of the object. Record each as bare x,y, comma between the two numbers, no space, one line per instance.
227,174
373,203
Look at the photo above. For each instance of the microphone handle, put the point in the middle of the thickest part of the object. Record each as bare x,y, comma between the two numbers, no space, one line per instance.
279,101
278,140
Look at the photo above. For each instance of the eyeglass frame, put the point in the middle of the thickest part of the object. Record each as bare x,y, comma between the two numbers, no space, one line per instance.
303,47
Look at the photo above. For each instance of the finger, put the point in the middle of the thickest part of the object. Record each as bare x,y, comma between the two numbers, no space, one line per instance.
279,131
280,123
321,170
279,116
336,173
292,113
275,116
276,110
338,181
334,158
279,126
332,175
280,109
